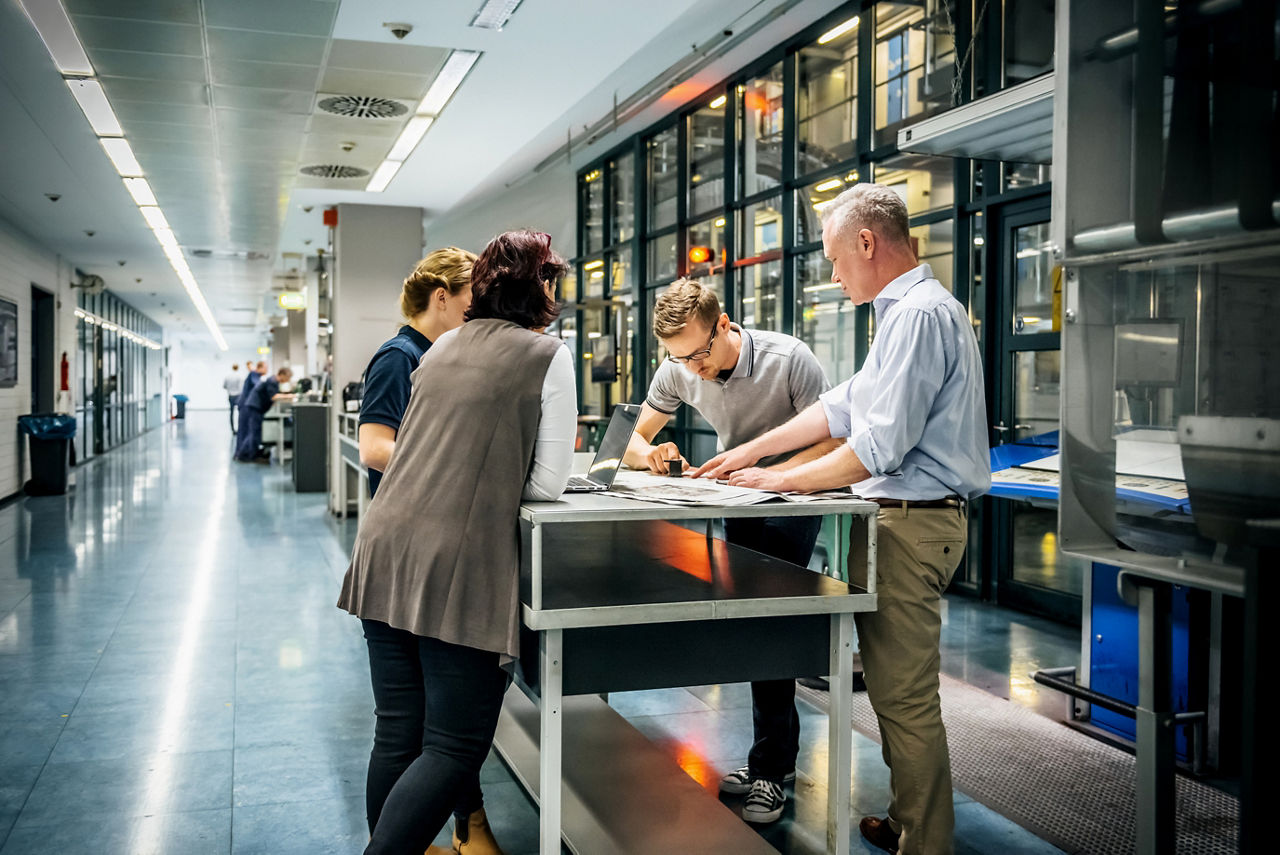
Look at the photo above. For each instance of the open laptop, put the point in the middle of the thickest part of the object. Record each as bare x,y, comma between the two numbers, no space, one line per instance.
608,459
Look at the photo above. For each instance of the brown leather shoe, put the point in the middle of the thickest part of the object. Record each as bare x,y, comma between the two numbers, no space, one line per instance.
479,837
879,833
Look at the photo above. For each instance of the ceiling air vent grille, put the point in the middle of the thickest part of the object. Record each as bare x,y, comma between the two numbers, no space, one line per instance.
330,170
363,107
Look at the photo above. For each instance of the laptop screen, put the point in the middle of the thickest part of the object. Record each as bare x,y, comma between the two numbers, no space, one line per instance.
604,468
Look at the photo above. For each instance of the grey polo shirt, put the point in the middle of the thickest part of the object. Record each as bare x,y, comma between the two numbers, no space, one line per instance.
776,377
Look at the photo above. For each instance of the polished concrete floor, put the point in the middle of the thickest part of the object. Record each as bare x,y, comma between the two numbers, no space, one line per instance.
175,678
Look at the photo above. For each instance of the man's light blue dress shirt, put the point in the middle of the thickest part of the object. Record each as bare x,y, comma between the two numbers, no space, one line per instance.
916,413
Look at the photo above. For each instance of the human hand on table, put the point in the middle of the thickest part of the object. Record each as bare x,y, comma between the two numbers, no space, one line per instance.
726,462
659,455
761,479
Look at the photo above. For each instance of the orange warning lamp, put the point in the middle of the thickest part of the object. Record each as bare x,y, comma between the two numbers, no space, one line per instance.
699,254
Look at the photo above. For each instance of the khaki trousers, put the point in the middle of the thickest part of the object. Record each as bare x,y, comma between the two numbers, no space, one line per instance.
918,550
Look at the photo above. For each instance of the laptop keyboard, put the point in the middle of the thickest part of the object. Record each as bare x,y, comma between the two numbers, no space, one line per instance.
580,481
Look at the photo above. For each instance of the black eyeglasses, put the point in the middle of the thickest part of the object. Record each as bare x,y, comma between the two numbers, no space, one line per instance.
699,355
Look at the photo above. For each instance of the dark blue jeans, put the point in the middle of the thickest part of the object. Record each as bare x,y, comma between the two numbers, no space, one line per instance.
437,709
774,718
234,402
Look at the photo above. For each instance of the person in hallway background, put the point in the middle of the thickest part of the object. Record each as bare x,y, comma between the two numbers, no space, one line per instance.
744,382
261,398
432,300
253,375
434,575
232,383
914,420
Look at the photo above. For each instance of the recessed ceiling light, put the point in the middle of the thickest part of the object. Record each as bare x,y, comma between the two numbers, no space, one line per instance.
97,109
838,31
447,81
409,138
140,190
54,26
382,176
121,154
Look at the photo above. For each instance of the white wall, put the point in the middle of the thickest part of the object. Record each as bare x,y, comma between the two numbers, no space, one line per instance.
543,202
24,262
198,369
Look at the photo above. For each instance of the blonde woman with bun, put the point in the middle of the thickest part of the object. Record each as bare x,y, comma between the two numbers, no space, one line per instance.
433,300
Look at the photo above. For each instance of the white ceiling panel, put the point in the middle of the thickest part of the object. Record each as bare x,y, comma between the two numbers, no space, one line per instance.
273,100
232,120
306,17
408,87
165,132
327,124
170,114
177,11
265,47
144,36
387,55
122,89
154,66
265,75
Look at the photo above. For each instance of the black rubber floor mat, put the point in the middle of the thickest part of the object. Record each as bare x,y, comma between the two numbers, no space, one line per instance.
1065,787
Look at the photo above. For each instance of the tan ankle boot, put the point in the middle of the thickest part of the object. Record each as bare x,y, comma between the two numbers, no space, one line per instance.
479,837
436,850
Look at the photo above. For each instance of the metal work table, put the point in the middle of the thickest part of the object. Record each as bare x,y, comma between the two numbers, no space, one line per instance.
621,598
350,467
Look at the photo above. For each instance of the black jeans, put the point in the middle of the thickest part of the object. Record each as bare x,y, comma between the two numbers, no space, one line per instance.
437,709
774,718
233,401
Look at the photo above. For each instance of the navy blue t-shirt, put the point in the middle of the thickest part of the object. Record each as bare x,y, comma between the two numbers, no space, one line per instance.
260,398
387,384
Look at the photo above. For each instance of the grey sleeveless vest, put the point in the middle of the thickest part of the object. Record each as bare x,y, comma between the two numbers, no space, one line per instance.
439,551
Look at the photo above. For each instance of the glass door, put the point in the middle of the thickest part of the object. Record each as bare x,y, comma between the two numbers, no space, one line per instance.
1031,572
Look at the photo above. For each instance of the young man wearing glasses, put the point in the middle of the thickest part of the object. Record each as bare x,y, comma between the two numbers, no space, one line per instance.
744,383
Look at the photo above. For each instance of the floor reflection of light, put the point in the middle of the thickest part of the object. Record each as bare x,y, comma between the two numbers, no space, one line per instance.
694,763
171,732
290,655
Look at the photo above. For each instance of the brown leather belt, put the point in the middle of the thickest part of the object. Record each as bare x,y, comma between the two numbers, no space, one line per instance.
948,502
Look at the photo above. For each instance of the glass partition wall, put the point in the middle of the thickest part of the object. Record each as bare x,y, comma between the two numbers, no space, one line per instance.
730,189
120,365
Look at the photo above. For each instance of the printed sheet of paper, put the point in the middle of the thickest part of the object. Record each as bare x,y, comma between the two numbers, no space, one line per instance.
648,487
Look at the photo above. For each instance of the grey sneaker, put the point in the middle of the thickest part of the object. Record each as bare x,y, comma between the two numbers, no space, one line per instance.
764,803
739,781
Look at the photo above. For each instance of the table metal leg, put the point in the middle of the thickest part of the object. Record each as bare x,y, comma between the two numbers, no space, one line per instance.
1155,723
840,734
551,715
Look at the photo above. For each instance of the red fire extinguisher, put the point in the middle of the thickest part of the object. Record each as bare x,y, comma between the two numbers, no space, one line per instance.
66,373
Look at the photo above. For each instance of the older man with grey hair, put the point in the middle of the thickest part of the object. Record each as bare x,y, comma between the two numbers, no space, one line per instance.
914,423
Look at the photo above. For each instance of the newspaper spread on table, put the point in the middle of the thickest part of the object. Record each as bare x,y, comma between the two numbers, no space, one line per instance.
649,487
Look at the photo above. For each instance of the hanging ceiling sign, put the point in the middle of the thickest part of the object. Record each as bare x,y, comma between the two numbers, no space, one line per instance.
293,300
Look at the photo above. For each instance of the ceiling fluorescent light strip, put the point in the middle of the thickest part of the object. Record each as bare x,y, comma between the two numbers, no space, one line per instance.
494,14
382,176
451,75
838,31
54,26
140,190
51,21
97,109
409,138
154,217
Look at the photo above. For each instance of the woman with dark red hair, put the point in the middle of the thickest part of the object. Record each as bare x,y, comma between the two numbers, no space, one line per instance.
434,575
